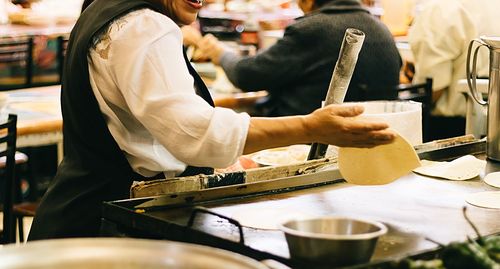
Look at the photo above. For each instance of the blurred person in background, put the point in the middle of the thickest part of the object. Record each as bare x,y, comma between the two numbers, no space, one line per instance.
439,38
296,71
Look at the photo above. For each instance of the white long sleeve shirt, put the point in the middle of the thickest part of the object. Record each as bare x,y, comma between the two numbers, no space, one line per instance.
144,89
439,38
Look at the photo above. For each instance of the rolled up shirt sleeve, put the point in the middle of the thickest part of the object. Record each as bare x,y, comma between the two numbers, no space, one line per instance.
159,91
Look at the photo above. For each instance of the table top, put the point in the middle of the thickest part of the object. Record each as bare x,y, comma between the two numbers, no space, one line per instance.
19,30
39,109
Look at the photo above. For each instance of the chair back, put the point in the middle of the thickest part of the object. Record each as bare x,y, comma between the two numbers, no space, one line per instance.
422,93
8,133
17,54
62,46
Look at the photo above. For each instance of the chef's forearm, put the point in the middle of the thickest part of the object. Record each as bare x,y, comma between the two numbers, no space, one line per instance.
266,133
333,124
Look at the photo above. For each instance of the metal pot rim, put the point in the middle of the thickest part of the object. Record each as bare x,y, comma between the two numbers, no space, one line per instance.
82,248
364,236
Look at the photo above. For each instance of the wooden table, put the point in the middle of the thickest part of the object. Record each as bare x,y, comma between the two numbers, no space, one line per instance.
16,30
39,116
40,120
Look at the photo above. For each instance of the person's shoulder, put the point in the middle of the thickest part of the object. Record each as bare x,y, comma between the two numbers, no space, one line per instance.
144,22
137,30
307,23
150,20
437,6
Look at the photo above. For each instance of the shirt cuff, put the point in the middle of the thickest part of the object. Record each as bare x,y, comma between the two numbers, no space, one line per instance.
228,60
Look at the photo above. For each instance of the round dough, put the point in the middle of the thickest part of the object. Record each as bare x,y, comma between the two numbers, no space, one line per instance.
379,165
464,168
267,219
282,156
487,199
493,179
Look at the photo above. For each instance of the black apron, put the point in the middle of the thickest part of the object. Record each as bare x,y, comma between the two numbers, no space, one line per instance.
94,169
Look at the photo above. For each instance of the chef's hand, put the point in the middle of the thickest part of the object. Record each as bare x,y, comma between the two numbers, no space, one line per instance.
211,47
333,124
336,125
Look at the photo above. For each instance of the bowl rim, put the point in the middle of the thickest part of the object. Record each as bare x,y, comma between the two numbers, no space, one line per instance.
364,236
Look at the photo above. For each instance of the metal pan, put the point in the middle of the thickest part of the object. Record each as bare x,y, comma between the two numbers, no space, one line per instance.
122,253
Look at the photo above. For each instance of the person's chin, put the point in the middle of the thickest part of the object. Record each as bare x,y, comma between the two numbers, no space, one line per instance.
186,20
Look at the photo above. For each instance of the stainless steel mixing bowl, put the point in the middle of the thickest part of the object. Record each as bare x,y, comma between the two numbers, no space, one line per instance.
337,241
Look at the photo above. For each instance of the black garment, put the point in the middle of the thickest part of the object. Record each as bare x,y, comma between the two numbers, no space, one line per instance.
296,71
94,169
445,127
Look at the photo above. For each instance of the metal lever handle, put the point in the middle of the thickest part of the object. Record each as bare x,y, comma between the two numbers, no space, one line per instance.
341,77
472,75
199,209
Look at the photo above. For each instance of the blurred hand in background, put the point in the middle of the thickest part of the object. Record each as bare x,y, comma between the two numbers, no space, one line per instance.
211,47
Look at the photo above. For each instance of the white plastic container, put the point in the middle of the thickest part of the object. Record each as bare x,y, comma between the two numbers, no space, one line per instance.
405,117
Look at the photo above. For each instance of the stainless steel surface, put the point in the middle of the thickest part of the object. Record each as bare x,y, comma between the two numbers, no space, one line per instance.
337,241
120,253
493,125
317,177
476,114
413,207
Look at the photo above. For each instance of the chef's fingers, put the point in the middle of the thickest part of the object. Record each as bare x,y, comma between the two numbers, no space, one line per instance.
359,126
349,111
367,140
345,111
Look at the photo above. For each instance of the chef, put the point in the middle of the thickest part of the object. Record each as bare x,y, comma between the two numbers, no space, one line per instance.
134,108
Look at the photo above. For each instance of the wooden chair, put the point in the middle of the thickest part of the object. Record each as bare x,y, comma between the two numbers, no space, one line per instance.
422,93
62,46
17,53
11,184
21,210
8,136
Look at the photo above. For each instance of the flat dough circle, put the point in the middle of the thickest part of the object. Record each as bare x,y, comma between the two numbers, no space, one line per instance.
493,179
464,168
379,165
487,199
267,219
281,156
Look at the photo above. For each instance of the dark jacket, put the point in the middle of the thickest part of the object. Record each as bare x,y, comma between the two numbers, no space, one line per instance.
94,168
296,71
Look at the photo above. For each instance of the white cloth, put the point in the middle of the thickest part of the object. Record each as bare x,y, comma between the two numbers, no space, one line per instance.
144,89
439,38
